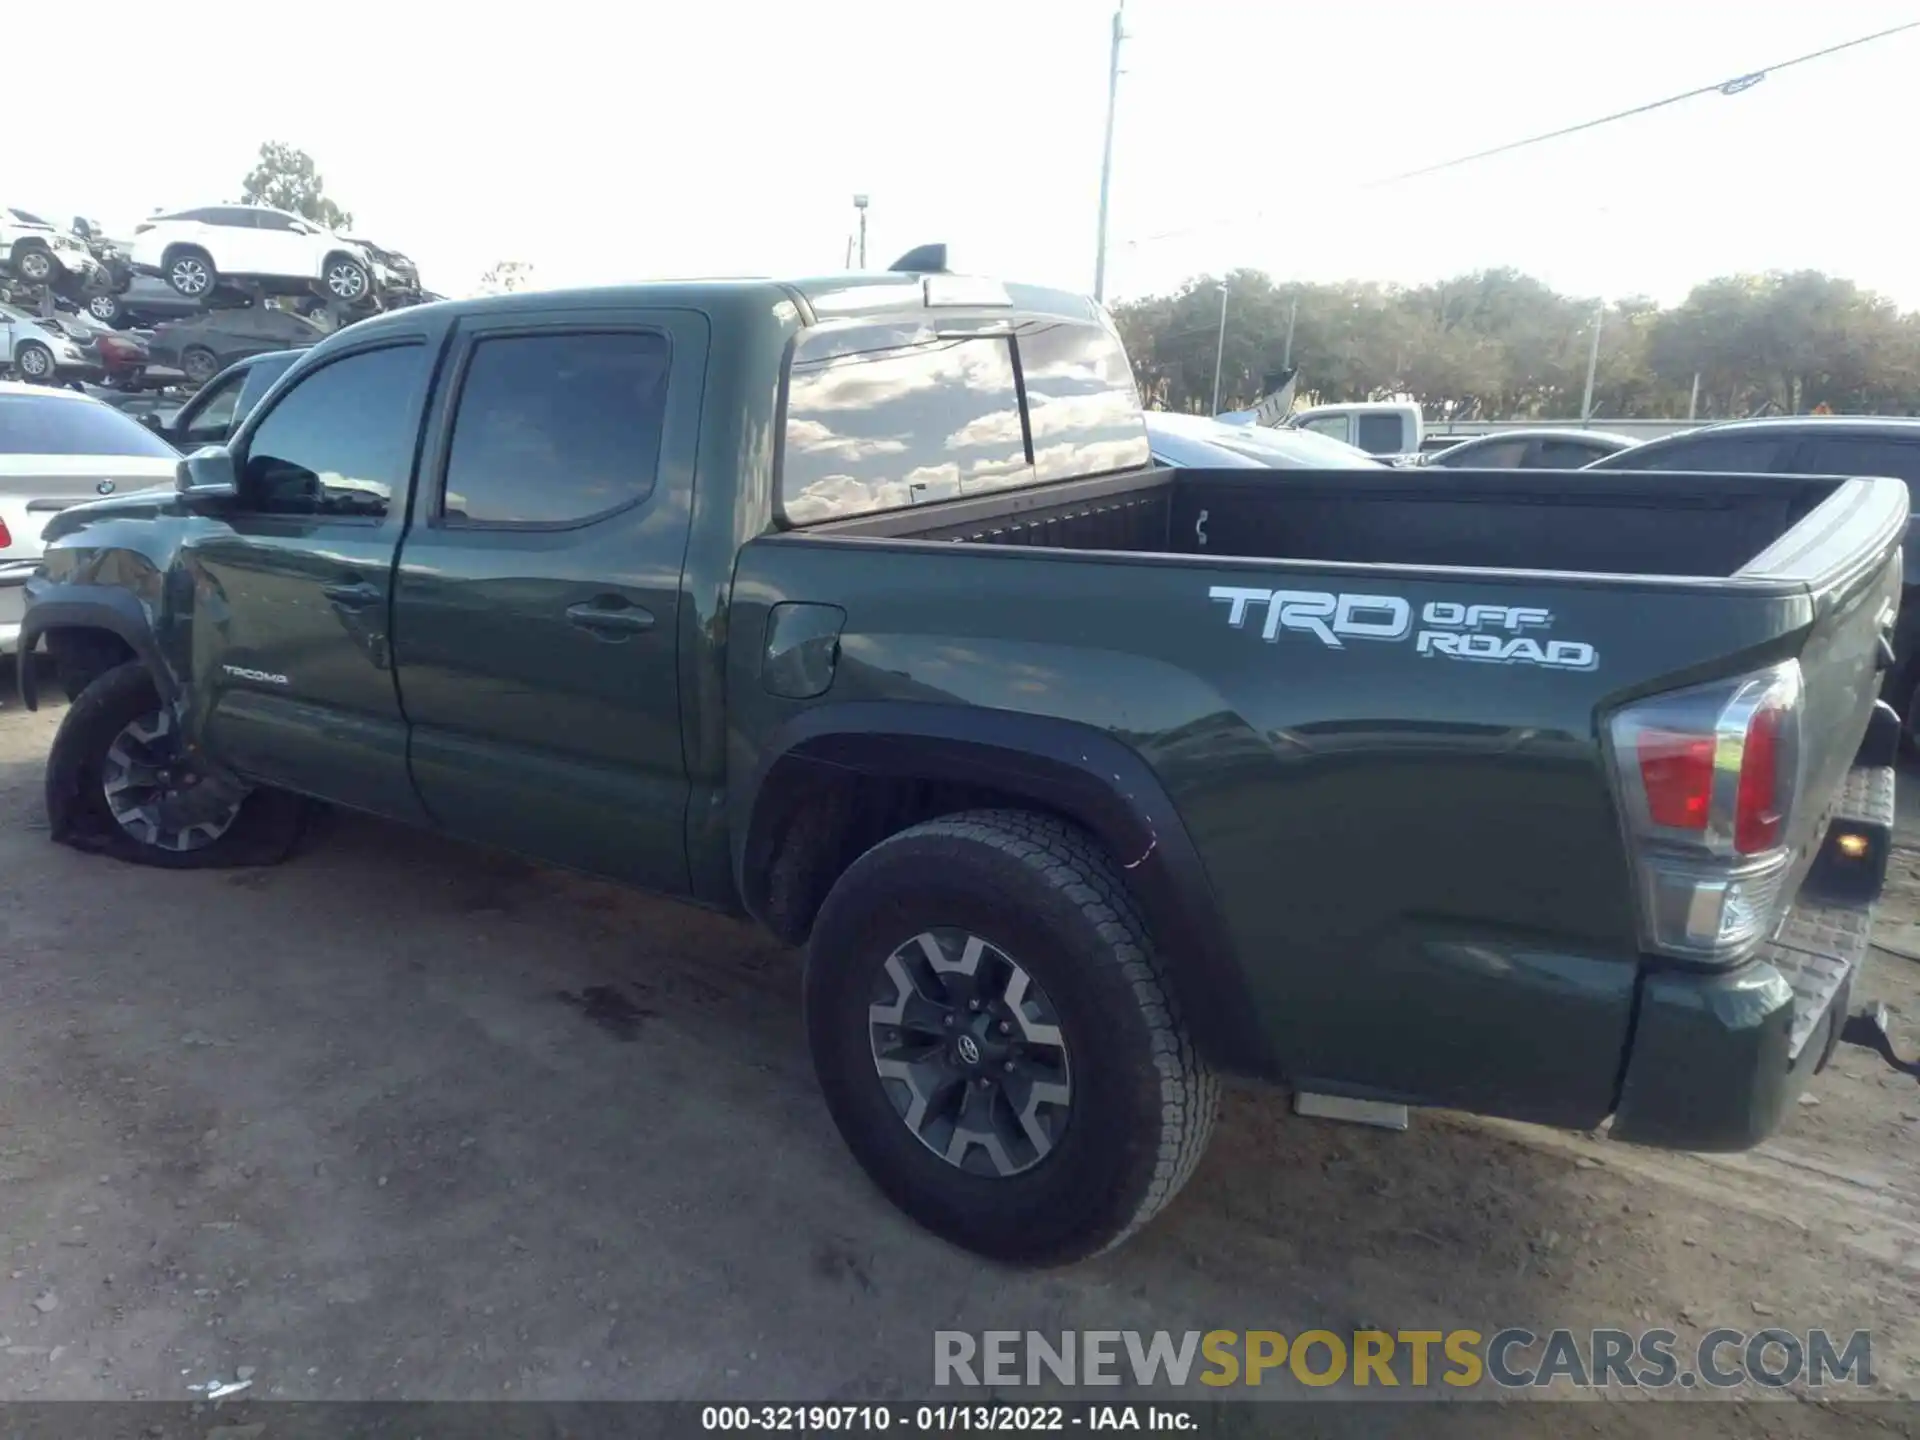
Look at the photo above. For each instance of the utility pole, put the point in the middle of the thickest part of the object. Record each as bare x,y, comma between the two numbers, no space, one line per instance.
860,204
1693,400
1593,362
1293,313
1106,155
849,264
1220,349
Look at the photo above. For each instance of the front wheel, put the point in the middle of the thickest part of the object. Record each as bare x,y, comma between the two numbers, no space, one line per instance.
120,782
997,1042
34,264
191,273
106,308
34,361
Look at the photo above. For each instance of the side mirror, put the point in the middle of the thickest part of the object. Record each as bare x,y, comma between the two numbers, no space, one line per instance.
206,478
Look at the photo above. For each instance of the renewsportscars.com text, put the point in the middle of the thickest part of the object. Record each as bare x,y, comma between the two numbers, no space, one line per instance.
1510,1358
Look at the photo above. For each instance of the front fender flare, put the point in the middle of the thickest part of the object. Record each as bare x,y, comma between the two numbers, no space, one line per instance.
1074,770
59,606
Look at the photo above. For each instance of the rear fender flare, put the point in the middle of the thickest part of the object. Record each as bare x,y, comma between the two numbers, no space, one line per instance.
1073,770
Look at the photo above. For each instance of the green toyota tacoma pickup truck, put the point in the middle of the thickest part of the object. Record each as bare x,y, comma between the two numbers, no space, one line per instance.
858,606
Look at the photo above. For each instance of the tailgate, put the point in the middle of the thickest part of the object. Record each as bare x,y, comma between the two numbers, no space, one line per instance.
1847,553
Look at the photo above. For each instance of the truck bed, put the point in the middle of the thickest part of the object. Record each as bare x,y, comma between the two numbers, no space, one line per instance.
1381,698
1613,523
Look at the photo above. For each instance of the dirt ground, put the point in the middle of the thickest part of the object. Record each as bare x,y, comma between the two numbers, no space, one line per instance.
404,1119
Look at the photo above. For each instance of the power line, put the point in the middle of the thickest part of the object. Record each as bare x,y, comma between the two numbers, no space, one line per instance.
1734,86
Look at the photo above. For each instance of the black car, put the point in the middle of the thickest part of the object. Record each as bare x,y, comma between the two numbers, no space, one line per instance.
216,407
1814,445
1543,449
203,346
141,301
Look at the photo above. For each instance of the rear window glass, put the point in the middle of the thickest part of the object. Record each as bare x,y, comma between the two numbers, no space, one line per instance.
880,417
31,425
1081,402
886,416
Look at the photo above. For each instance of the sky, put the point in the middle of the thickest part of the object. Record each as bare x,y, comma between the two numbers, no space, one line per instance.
605,142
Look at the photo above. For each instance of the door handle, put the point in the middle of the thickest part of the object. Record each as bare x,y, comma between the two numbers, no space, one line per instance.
352,597
627,620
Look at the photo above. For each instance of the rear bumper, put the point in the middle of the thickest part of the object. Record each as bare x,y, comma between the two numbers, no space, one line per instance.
1717,1059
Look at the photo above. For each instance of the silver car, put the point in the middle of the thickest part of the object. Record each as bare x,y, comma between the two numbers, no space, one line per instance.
1196,442
33,348
57,448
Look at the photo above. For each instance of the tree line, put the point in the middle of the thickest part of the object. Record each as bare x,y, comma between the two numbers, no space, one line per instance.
1500,345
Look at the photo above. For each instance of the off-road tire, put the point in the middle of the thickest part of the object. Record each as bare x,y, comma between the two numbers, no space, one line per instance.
1043,892
266,831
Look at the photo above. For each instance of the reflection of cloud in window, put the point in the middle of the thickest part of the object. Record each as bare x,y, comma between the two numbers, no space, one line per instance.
861,382
816,438
832,495
1073,457
999,427
1063,414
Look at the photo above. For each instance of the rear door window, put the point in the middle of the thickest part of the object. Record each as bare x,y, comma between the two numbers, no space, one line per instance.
1379,434
1565,454
1860,455
1494,455
556,429
1726,454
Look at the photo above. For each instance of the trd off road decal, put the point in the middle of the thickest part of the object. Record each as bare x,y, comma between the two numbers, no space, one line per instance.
1491,634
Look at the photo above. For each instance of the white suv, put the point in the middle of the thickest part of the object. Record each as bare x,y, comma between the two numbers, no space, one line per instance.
194,250
40,253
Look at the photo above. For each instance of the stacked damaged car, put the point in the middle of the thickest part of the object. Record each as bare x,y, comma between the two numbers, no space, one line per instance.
184,294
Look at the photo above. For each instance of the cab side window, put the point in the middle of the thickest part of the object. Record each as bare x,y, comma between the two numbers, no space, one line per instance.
340,442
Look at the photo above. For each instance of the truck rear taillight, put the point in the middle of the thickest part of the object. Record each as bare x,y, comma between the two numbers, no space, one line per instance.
6,536
1707,778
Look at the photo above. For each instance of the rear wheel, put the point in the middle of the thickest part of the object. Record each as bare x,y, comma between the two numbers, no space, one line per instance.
996,1041
119,781
199,364
106,308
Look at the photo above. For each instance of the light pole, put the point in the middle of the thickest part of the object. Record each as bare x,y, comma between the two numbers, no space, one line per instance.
1220,348
1593,362
860,204
1106,154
